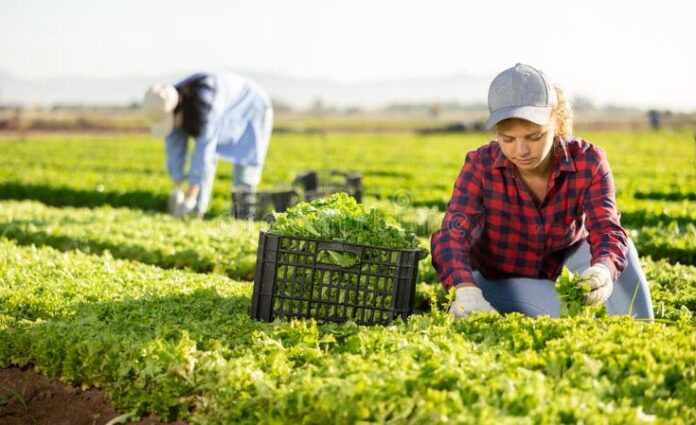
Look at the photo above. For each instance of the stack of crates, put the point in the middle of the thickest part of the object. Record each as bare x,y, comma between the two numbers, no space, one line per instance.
260,205
319,184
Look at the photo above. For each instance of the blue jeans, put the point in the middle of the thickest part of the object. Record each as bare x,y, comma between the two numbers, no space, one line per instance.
243,177
534,297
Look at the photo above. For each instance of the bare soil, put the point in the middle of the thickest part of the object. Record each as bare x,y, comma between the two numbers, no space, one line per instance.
30,398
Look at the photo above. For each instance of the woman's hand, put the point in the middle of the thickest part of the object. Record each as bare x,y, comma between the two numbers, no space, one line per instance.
176,198
185,208
599,279
468,299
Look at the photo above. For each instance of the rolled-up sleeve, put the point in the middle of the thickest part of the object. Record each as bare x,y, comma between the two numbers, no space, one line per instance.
461,226
176,145
607,239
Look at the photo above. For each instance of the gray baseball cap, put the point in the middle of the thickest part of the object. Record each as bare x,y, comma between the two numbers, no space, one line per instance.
521,92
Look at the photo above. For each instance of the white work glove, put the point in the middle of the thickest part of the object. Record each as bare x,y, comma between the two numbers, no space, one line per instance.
468,299
185,208
599,279
176,198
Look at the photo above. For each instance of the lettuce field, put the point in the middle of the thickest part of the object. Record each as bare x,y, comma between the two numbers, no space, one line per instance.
99,287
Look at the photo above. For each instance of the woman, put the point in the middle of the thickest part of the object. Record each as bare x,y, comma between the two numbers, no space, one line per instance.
529,203
228,116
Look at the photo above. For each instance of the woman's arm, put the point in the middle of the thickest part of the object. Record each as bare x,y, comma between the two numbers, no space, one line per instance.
461,227
608,240
176,146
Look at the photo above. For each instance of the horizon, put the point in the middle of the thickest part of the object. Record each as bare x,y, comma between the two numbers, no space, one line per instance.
595,50
593,105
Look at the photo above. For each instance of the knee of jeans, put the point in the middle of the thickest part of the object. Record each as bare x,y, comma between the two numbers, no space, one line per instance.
505,306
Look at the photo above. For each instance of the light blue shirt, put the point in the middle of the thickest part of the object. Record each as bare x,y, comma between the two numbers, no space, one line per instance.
234,129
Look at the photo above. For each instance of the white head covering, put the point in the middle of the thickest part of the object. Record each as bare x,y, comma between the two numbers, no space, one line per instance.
158,106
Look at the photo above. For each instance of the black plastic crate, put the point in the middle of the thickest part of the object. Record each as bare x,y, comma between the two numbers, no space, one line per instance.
293,280
259,205
319,184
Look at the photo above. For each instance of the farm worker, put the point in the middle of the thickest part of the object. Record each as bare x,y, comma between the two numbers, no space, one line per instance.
528,203
229,116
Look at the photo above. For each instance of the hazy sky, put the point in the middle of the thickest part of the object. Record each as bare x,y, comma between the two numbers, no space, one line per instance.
629,52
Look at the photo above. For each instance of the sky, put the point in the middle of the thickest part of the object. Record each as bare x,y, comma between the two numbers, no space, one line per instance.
639,53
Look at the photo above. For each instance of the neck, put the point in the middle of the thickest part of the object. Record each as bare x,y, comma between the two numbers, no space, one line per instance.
542,171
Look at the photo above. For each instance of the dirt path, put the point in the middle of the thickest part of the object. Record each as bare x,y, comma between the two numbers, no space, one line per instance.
30,398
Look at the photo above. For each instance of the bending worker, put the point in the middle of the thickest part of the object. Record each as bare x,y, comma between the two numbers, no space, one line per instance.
228,116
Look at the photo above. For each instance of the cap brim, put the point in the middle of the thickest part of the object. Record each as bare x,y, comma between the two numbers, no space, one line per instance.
537,114
164,127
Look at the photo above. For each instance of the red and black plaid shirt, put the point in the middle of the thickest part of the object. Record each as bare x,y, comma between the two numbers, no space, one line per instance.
493,225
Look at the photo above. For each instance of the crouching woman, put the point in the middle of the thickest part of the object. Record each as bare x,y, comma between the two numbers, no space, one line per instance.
529,203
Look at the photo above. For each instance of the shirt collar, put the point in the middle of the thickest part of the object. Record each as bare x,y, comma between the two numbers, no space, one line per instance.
562,161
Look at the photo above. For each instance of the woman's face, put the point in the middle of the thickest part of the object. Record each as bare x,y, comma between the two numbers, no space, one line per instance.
525,144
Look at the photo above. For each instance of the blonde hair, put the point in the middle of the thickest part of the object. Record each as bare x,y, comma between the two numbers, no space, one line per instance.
563,115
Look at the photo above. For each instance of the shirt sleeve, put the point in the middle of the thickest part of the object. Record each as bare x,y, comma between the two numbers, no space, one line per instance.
176,144
203,157
461,227
608,240
206,92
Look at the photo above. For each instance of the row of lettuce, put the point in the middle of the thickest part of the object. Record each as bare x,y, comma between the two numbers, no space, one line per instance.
148,192
228,246
127,171
181,345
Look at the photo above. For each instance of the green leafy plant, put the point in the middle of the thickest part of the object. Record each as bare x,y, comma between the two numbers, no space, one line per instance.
224,245
572,290
182,345
340,218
